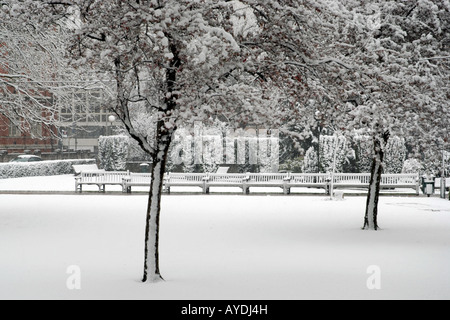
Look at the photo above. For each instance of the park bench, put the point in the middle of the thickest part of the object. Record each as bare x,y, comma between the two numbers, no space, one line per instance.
245,181
100,179
262,180
388,181
184,180
306,180
224,180
136,180
78,168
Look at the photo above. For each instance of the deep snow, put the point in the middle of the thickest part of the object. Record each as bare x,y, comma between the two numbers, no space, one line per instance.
224,247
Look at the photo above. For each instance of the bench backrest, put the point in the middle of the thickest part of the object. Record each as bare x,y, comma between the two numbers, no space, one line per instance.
78,168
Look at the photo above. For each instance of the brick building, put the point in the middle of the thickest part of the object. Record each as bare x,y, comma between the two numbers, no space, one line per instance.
82,118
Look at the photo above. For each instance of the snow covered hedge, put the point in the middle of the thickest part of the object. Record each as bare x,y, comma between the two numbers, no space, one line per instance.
328,144
113,152
41,168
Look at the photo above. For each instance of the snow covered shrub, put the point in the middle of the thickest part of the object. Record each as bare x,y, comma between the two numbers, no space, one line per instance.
327,148
310,161
113,152
41,168
394,155
292,165
363,153
412,166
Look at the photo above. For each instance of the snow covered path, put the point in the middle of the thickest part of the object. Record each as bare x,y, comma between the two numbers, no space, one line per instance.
224,247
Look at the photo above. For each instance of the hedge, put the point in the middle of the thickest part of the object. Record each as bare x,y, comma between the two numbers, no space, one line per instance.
41,168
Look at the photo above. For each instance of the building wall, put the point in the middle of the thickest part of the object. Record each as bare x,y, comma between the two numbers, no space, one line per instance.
14,141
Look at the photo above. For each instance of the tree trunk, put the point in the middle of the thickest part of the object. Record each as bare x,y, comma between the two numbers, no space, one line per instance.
163,140
151,253
370,218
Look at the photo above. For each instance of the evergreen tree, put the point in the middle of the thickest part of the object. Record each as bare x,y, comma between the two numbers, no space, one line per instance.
395,155
328,146
113,152
310,161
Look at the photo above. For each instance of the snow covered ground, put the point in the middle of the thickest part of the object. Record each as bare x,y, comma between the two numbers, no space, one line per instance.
220,246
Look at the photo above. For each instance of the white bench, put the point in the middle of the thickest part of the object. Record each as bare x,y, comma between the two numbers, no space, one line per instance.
306,180
100,179
185,180
78,168
224,180
136,180
388,181
245,181
264,180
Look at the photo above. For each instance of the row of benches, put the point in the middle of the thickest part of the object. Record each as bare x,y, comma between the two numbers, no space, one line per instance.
245,181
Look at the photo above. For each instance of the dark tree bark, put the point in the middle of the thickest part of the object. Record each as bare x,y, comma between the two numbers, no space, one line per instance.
163,139
370,218
151,253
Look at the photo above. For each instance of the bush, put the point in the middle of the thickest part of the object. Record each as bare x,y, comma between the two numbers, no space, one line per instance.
363,153
310,161
412,166
292,165
394,155
328,144
41,168
113,152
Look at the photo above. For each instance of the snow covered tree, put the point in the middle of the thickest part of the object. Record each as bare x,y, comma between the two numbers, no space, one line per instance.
31,63
395,155
413,165
393,77
185,61
329,145
364,153
310,161
113,152
379,68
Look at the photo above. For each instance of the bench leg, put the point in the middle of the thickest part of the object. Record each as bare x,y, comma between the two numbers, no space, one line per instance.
126,189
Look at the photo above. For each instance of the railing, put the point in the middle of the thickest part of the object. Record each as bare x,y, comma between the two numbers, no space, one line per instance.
245,181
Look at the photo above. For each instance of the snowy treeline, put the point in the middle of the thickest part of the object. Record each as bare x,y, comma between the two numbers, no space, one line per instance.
113,152
41,168
356,155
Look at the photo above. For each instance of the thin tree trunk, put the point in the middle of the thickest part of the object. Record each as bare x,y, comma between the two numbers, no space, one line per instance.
151,253
163,140
370,218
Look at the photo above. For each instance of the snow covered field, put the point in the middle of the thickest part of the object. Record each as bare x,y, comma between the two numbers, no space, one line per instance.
221,246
